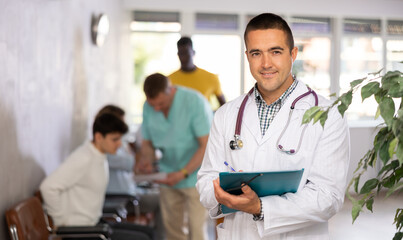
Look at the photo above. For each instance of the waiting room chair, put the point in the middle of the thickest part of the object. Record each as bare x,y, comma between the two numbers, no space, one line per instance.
126,206
27,221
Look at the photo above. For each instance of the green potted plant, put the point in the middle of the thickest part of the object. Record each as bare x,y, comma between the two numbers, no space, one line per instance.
388,143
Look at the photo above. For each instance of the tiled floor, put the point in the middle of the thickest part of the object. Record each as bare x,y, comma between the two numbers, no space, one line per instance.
369,226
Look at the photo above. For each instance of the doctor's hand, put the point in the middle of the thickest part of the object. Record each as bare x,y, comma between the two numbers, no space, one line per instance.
172,178
248,201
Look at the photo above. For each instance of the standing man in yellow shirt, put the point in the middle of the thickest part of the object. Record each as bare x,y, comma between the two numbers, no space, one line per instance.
189,75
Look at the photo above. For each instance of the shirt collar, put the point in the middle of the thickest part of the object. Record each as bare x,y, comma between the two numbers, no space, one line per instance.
281,99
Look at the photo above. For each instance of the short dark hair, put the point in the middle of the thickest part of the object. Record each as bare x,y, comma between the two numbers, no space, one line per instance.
108,123
155,84
183,41
270,21
112,109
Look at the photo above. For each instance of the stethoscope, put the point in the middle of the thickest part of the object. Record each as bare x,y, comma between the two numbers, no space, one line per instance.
237,142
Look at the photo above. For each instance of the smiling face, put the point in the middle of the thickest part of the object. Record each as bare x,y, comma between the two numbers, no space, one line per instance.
270,62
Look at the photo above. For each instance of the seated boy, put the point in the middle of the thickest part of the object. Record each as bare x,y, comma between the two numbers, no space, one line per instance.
121,166
74,193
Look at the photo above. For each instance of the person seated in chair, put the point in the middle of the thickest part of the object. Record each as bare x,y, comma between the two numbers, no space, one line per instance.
74,193
121,173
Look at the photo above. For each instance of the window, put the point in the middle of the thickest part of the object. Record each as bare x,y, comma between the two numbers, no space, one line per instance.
155,21
313,62
220,54
394,45
153,40
361,53
362,26
325,60
216,21
312,66
310,25
394,55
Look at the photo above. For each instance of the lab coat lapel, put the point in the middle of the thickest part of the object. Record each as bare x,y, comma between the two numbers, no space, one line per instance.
279,122
250,121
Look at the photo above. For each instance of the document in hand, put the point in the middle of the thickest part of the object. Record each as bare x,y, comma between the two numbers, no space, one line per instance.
263,183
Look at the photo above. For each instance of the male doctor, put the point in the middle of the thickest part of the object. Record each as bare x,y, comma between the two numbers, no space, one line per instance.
323,153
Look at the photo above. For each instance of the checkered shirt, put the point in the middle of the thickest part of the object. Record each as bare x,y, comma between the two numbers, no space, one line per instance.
266,112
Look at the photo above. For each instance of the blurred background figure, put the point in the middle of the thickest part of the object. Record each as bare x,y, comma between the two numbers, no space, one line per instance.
189,75
121,176
177,121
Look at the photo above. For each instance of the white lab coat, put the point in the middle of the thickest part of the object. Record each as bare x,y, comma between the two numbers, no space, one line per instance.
324,154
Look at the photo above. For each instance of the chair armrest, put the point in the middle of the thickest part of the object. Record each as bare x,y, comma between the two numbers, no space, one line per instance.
113,201
100,229
121,195
110,217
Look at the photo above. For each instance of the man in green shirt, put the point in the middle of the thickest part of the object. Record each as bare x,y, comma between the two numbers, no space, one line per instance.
176,121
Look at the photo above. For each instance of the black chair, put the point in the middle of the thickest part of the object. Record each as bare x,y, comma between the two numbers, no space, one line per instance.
124,205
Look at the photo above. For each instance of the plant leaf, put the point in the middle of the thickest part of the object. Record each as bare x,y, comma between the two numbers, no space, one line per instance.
323,118
357,207
347,97
376,73
317,116
369,204
384,152
390,79
369,185
378,112
356,82
399,152
396,89
394,164
392,147
342,108
390,74
369,89
380,95
356,183
380,138
395,188
390,181
387,107
398,220
398,236
310,114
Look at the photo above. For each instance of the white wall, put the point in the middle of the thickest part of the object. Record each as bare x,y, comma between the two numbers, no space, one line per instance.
52,82
362,139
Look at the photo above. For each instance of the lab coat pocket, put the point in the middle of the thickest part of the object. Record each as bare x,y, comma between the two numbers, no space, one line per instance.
294,161
222,234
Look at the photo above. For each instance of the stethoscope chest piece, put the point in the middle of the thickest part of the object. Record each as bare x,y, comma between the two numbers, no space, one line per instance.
236,143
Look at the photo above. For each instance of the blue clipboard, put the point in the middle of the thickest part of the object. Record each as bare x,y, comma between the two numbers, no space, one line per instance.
263,183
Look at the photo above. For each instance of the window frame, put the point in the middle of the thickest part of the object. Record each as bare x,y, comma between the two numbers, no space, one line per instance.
188,27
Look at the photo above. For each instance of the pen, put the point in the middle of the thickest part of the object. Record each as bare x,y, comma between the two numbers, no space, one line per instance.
229,166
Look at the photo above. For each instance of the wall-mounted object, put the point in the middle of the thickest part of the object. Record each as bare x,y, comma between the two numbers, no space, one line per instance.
99,29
